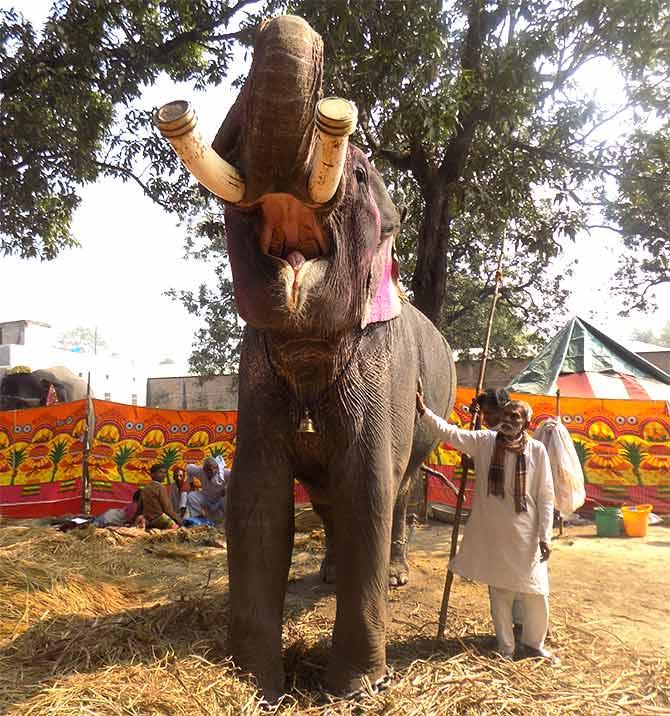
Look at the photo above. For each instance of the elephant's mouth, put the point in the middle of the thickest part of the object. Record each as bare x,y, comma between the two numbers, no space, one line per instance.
290,232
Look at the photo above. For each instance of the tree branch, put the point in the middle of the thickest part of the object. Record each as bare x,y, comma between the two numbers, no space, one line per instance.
128,174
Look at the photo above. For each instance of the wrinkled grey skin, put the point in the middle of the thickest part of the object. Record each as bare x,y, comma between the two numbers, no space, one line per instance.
314,350
30,390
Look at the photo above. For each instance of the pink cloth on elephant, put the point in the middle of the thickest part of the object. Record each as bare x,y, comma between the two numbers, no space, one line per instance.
386,303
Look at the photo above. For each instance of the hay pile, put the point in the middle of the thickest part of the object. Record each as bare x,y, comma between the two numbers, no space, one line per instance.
96,623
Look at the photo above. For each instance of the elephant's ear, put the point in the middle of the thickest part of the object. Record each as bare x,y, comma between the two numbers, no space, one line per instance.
384,293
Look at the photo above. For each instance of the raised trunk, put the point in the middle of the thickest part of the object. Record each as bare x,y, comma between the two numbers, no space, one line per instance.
268,134
429,282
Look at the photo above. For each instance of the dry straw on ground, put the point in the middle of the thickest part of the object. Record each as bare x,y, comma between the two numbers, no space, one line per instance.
101,623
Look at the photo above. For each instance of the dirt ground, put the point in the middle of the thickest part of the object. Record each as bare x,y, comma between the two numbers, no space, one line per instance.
619,585
128,623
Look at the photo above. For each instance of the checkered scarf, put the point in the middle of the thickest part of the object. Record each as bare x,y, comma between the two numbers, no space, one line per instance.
497,470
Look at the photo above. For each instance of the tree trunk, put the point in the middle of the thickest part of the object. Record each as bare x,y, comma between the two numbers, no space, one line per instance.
429,282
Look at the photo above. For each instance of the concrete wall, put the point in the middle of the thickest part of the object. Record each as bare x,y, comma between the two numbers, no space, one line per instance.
220,392
193,393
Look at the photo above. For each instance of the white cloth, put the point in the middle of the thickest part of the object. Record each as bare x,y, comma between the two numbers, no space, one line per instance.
114,517
500,546
569,491
210,500
535,618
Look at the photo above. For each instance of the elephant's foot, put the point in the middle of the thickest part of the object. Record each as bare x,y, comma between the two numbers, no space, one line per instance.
327,570
361,687
398,572
266,674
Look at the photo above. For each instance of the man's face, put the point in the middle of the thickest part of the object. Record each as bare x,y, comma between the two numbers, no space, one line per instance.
161,474
513,420
491,415
210,468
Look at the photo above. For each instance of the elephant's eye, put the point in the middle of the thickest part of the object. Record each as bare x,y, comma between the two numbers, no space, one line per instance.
361,175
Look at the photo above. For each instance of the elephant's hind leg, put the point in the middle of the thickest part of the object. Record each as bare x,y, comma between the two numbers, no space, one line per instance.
398,566
328,569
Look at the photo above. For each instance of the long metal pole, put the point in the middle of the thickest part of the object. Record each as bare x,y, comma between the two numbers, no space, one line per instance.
475,423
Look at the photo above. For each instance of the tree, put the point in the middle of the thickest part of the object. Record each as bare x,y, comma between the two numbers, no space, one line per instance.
217,345
641,214
68,112
470,108
474,109
662,338
82,338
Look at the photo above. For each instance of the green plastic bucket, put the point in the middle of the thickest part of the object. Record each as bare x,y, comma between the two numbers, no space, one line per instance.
608,521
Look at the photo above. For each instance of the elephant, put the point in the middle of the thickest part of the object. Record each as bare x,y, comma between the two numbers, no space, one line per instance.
331,355
30,390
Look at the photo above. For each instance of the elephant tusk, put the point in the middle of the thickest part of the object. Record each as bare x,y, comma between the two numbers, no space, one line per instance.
335,120
177,122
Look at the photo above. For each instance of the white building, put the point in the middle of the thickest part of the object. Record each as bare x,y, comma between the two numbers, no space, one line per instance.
31,344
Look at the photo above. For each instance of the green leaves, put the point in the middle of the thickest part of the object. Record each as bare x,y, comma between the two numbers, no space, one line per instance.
66,114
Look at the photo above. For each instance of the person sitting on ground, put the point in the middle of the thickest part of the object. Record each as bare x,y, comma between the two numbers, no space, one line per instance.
182,484
506,542
210,500
120,516
156,506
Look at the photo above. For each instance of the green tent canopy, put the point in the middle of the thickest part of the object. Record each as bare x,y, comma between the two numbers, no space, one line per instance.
583,362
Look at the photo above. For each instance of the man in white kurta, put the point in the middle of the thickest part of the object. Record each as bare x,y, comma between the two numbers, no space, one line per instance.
503,547
209,501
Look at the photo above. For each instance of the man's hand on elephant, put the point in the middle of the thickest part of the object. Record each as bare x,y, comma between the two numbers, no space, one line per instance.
545,551
420,405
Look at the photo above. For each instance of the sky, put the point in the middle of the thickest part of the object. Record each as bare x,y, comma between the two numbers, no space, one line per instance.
132,252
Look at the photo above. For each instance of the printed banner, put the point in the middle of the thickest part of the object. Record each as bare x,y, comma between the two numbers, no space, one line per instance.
623,447
41,459
128,440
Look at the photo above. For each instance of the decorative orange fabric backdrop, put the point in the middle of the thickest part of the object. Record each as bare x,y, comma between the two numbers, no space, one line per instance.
623,445
128,440
41,458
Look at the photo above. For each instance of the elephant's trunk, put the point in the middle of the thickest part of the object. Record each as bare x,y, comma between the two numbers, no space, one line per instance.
277,104
269,132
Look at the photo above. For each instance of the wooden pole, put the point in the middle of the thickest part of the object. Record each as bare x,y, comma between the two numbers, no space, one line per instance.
475,422
558,417
86,482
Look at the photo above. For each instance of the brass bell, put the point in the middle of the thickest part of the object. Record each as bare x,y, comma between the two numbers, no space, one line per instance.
306,424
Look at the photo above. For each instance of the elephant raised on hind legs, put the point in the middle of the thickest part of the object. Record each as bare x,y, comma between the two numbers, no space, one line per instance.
310,230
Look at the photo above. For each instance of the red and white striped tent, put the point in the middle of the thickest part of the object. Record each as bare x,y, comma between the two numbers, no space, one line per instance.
583,362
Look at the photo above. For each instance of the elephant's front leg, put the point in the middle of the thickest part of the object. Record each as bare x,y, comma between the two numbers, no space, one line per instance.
259,530
362,513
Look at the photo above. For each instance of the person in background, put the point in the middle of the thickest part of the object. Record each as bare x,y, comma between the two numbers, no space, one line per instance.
120,516
180,487
506,544
156,505
209,501
491,402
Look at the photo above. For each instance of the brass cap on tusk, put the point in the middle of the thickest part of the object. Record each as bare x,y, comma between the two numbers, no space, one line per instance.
336,116
175,118
178,123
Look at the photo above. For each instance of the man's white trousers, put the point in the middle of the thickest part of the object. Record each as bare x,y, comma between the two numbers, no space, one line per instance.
535,610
